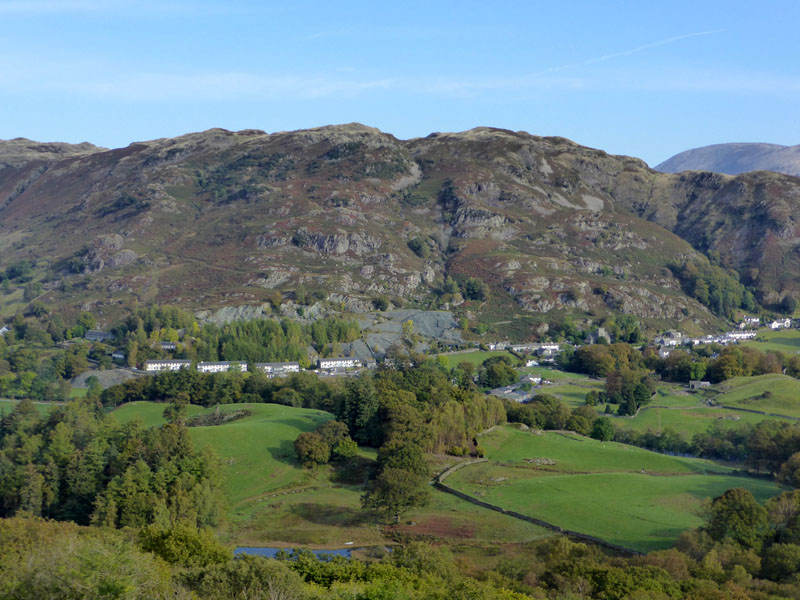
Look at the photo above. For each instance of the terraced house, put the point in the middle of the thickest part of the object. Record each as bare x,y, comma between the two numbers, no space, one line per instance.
278,369
329,364
221,367
166,365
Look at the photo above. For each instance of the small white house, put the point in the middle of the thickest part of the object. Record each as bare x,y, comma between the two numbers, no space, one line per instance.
664,352
277,369
4,330
166,365
221,367
781,324
329,364
118,355
532,363
548,349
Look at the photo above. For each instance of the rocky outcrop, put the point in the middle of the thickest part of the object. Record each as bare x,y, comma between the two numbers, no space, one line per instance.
358,243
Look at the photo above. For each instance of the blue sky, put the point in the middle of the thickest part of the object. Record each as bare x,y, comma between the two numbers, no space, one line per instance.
640,78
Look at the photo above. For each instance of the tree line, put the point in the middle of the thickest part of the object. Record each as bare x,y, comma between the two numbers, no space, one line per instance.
78,464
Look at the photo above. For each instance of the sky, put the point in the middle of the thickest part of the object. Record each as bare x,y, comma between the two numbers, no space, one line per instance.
646,79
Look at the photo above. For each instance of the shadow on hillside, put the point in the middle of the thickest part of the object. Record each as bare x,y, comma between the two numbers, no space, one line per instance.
325,514
301,424
284,452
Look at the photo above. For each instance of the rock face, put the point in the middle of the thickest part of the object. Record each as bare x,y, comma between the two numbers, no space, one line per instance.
220,219
734,159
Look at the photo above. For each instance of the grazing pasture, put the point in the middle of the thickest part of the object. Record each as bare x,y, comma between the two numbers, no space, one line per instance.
776,394
782,340
624,495
43,407
475,357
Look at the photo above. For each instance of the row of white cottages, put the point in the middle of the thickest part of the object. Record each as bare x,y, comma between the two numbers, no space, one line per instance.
272,369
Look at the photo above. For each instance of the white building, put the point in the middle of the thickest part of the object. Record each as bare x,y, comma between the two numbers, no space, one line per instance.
4,330
497,345
741,335
781,324
523,347
166,365
664,352
750,322
221,367
328,364
118,355
548,349
277,369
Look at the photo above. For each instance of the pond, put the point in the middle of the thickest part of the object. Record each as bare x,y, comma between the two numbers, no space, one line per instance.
272,552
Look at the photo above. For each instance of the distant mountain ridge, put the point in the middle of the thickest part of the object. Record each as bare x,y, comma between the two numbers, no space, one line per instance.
736,158
353,215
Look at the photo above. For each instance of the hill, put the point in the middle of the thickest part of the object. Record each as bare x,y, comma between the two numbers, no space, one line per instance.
350,214
734,159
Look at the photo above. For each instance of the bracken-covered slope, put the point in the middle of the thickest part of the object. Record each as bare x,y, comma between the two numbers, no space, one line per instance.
223,219
734,159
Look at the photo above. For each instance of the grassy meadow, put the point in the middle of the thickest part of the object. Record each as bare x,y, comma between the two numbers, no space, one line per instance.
786,341
8,405
628,496
475,357
778,394
256,451
275,502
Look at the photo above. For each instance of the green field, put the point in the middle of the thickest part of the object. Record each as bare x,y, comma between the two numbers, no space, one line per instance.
625,495
512,447
685,421
273,501
475,357
256,451
786,341
685,413
42,407
778,394
329,515
150,413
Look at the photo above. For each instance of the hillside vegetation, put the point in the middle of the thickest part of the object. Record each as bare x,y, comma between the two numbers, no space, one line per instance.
512,225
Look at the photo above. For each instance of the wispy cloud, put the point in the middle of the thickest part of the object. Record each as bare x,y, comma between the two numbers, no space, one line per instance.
109,82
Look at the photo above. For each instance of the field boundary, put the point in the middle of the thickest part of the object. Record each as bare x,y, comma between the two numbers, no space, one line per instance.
437,483
572,534
757,412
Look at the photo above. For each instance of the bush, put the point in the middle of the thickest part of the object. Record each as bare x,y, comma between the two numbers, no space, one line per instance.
603,429
311,449
183,545
420,247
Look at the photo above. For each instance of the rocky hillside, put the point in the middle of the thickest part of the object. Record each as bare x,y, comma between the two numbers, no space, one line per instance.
734,159
348,214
